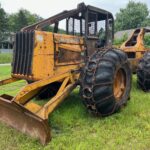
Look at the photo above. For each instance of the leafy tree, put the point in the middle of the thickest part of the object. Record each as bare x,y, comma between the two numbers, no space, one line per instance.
146,22
21,19
132,16
3,23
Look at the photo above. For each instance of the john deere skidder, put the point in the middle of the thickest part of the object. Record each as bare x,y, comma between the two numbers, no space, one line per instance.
53,64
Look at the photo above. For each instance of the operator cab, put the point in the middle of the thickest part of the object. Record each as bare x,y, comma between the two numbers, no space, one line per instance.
94,24
99,29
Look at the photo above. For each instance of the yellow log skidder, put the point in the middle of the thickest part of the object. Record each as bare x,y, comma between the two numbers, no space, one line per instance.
53,64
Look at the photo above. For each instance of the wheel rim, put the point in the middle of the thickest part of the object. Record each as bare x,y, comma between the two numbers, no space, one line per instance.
119,84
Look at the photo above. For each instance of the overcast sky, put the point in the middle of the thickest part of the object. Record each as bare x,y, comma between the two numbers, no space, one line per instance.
47,8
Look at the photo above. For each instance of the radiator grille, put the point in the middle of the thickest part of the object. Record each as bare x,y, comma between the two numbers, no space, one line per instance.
23,53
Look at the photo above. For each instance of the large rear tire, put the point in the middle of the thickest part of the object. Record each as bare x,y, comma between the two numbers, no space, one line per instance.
143,73
106,82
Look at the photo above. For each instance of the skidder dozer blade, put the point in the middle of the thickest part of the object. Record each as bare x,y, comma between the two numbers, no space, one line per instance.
23,120
28,117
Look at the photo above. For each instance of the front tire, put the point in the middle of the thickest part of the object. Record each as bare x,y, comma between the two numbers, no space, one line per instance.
106,82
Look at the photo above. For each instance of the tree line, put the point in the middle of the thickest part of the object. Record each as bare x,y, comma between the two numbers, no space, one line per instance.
15,21
134,15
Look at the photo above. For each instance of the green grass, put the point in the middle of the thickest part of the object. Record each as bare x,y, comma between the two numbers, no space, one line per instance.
5,58
73,128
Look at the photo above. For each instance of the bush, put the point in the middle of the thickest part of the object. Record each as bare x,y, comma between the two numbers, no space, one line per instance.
119,42
147,41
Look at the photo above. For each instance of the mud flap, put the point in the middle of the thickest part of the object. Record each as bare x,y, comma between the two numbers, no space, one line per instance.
18,117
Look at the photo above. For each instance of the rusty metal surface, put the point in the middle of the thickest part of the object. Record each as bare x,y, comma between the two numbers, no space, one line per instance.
134,63
55,18
69,13
8,81
91,46
67,56
18,117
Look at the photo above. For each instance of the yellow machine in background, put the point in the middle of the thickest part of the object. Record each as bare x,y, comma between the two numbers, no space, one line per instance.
135,47
53,64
